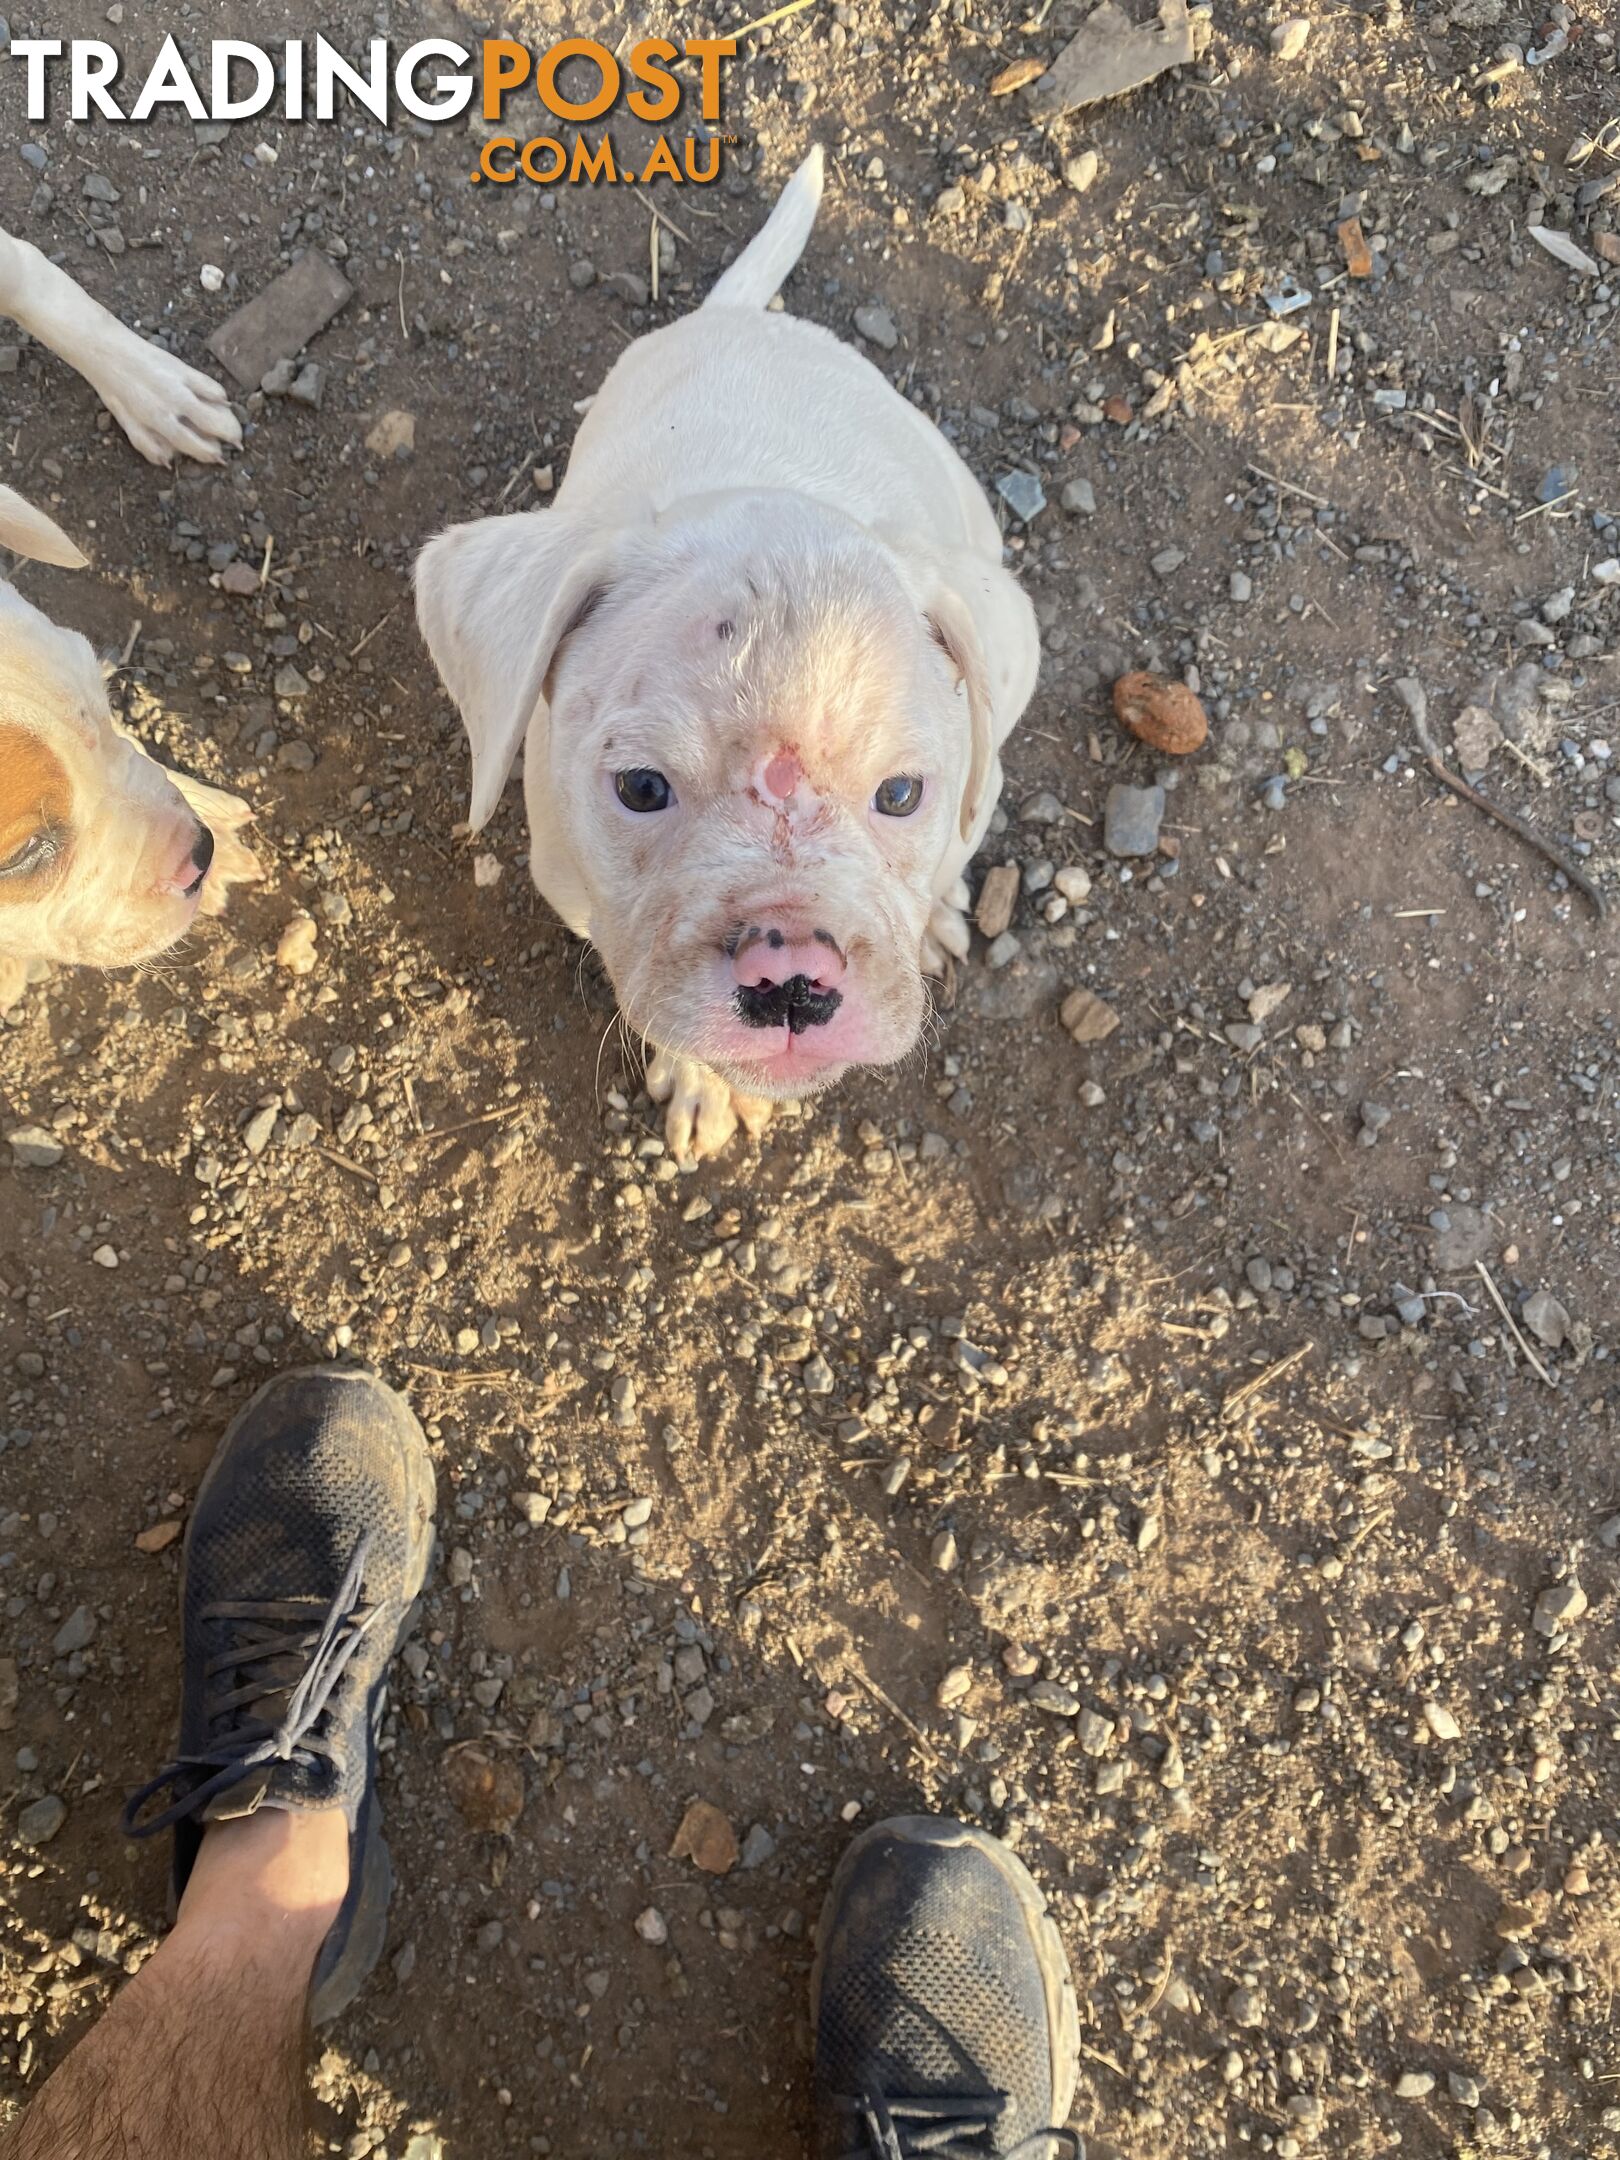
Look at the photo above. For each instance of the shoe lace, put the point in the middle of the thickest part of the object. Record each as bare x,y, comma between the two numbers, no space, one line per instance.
266,1636
948,2126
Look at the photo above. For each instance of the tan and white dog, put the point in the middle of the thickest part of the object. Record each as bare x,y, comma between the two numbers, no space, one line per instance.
105,857
163,406
760,657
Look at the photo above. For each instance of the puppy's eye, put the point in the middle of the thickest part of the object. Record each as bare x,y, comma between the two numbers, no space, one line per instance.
899,796
642,790
34,853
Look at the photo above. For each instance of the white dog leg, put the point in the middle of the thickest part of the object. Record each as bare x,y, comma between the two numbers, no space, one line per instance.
947,936
13,981
163,406
701,1112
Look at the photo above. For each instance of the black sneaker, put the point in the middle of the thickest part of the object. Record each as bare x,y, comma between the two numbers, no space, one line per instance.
307,1547
942,2003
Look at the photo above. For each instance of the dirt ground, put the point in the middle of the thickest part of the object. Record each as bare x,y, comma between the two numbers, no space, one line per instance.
1155,1451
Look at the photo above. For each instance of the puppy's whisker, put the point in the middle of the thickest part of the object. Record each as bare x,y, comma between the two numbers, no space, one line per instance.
615,1026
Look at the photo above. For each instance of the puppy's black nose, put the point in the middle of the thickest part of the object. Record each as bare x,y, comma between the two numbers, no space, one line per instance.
798,1002
202,854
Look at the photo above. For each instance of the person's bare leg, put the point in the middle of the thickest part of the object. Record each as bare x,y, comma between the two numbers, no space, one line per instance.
162,405
308,1545
203,2052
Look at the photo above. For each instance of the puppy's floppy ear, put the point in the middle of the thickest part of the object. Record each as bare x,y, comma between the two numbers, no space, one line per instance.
952,627
494,600
29,532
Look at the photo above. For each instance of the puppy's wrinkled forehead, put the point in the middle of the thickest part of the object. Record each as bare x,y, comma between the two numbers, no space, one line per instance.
35,793
814,648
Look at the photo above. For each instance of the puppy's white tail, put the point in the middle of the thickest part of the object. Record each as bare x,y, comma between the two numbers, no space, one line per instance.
758,273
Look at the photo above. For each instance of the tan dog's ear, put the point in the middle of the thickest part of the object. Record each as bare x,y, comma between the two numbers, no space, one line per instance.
952,627
29,532
494,600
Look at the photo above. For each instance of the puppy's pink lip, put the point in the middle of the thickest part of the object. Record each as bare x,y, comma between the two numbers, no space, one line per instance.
779,1056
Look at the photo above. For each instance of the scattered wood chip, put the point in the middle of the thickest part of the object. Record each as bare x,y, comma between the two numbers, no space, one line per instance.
1240,1397
1015,74
158,1538
707,1839
998,896
1357,254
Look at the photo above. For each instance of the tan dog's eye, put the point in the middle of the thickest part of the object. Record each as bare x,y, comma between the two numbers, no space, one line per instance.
35,852
899,796
643,790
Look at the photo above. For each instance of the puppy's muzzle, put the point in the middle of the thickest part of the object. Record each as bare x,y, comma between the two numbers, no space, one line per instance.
784,980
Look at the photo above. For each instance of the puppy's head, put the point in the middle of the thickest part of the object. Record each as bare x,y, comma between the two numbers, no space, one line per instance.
101,861
761,738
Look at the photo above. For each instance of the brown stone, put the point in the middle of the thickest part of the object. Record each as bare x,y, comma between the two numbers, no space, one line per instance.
1087,1017
1163,714
707,1839
487,1790
280,322
998,896
158,1538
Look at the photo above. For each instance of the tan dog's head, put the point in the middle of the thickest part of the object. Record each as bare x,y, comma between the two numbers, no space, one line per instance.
102,860
759,740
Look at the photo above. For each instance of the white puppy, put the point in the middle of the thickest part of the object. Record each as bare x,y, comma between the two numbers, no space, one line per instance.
163,406
762,655
105,857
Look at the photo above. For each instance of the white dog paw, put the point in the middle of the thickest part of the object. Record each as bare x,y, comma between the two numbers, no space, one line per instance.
947,937
234,862
701,1112
166,408
13,981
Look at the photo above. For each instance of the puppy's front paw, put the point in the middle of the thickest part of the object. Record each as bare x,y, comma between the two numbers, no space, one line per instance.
166,408
700,1111
947,937
234,861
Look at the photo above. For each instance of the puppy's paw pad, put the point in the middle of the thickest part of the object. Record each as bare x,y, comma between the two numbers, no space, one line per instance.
701,1113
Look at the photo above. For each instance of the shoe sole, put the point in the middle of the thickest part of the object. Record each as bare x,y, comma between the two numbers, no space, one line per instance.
367,1930
1057,1981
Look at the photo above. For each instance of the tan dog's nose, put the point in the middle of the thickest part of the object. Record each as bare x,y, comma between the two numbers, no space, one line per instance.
185,880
